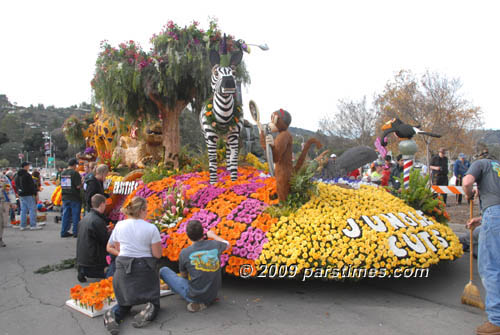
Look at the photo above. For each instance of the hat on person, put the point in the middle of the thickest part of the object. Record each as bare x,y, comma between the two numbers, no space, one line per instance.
484,153
23,164
333,156
72,162
461,155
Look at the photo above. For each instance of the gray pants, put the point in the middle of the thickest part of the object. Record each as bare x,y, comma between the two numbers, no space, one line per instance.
4,216
465,240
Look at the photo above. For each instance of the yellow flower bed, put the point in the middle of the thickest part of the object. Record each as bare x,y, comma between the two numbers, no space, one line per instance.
366,228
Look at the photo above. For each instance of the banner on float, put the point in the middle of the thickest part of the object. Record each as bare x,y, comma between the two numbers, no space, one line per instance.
125,187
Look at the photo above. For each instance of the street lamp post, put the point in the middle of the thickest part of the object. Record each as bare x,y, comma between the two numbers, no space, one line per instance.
263,47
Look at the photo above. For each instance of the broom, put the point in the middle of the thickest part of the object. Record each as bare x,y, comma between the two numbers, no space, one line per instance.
471,295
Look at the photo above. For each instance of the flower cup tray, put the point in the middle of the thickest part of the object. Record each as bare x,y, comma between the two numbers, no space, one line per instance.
93,313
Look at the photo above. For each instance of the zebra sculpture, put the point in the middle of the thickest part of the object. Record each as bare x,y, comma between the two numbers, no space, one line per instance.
221,116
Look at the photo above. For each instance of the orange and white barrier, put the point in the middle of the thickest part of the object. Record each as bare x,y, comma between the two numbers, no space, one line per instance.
447,189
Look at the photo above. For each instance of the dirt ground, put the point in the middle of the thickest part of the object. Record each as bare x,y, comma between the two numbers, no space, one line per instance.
459,213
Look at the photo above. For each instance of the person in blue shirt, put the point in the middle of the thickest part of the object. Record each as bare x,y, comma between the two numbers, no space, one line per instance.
459,169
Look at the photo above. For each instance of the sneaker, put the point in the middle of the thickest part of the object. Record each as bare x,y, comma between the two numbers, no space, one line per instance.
66,234
2,244
144,317
195,307
41,224
15,226
110,323
36,228
488,328
23,228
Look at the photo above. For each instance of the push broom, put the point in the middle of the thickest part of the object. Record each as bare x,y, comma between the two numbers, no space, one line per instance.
471,295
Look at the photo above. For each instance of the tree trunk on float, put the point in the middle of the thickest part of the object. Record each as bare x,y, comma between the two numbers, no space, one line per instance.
170,130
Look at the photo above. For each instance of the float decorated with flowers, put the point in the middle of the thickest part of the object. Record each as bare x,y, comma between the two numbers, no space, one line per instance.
363,227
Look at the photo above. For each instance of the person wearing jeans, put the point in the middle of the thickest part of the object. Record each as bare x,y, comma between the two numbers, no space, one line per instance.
486,173
71,183
27,191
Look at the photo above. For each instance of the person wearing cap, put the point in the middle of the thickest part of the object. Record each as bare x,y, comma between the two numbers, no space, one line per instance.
71,183
485,172
28,196
439,170
459,169
7,201
328,171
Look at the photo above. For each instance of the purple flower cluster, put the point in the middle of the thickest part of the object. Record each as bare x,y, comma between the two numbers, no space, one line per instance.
246,189
187,176
164,239
201,198
89,151
144,192
208,221
250,243
223,259
247,211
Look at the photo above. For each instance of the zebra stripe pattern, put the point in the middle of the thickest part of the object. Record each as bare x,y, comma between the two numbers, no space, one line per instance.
223,109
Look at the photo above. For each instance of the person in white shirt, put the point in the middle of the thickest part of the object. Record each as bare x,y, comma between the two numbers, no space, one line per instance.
136,280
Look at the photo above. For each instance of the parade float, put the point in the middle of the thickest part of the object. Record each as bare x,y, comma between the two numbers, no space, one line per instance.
319,231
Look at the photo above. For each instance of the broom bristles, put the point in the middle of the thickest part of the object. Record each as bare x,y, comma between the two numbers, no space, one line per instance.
472,296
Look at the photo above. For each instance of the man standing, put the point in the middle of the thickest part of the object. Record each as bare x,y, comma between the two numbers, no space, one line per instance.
201,261
27,191
439,169
397,172
459,169
94,184
92,240
486,173
7,201
71,183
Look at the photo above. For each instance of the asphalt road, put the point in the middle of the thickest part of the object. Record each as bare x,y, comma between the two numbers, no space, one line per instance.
34,303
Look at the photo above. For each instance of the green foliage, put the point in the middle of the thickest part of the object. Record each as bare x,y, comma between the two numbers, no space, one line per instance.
177,69
72,129
153,173
302,187
63,265
419,196
4,163
3,138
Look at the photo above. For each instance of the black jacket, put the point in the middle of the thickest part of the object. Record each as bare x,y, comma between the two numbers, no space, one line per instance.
92,186
92,240
396,171
24,184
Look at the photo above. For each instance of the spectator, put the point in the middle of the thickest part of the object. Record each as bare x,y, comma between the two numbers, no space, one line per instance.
92,241
71,183
328,171
439,170
397,172
37,179
58,174
7,201
388,162
94,184
354,174
201,261
486,173
12,210
28,196
459,169
136,281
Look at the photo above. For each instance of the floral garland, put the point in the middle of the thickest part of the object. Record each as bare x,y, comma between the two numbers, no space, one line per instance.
212,120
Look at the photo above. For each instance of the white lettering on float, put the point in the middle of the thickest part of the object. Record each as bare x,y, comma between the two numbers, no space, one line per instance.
398,252
379,227
355,231
416,242
124,187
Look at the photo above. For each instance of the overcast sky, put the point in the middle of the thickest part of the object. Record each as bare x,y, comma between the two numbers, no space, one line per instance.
320,51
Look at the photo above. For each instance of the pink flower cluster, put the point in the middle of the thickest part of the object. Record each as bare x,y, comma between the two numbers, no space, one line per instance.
247,211
246,189
250,243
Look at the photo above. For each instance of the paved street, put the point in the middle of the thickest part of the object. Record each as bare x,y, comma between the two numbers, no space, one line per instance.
34,303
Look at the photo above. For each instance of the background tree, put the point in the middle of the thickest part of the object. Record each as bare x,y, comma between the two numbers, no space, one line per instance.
3,138
435,104
352,121
161,83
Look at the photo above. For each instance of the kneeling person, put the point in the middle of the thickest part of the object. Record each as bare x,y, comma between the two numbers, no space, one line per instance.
201,261
92,240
